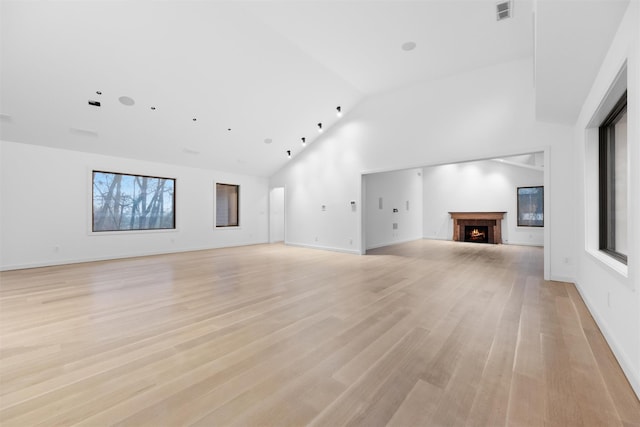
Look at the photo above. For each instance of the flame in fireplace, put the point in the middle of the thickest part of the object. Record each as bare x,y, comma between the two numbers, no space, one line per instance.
477,234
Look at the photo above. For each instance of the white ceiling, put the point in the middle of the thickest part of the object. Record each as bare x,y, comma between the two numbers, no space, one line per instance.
572,38
264,69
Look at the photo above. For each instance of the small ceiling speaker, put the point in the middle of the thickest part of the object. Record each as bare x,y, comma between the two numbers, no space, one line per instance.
126,100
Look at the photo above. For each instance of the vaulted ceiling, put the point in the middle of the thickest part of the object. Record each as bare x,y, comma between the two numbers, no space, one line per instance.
233,85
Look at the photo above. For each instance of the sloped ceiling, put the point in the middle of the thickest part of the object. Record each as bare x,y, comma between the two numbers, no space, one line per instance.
264,69
250,71
572,39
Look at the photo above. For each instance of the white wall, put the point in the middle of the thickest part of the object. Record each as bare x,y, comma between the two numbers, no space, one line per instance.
401,190
482,186
612,291
482,114
46,209
276,215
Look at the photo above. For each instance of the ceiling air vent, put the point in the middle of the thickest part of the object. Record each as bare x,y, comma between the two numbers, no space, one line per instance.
503,10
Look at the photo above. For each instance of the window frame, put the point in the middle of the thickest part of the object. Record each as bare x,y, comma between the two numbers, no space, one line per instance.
215,222
133,230
519,224
606,186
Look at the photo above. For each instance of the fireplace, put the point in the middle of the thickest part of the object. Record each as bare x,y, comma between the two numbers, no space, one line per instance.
478,227
476,233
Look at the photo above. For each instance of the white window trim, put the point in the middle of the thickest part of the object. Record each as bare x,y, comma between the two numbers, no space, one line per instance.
90,231
215,209
591,175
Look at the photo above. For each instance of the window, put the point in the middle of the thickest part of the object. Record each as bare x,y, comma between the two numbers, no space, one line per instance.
613,177
530,206
227,205
132,202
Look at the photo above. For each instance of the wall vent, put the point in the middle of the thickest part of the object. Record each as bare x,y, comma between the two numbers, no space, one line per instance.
503,10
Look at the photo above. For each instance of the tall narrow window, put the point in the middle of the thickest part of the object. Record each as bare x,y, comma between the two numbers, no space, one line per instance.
227,205
613,177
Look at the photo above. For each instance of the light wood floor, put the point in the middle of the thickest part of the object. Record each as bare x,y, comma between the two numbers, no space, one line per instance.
424,333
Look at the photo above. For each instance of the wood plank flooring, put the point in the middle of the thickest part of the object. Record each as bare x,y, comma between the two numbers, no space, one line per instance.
427,333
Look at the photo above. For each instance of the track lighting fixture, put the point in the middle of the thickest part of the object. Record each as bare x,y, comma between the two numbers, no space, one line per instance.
304,141
289,154
319,127
339,111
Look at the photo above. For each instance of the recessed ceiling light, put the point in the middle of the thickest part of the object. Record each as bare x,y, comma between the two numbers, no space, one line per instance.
268,141
126,100
407,46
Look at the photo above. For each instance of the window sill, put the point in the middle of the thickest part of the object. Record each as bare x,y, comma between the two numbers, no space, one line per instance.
610,262
125,232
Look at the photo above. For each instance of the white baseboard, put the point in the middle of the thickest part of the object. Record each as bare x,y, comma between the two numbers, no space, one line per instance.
524,244
395,242
622,358
562,279
504,243
324,248
51,263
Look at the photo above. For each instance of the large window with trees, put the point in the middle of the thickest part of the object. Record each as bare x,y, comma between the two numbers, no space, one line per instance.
132,202
227,205
613,179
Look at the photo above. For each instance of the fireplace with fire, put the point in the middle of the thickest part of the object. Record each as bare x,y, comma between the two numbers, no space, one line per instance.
478,227
476,233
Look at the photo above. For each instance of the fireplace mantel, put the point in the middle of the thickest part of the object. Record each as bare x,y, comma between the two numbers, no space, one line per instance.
491,219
